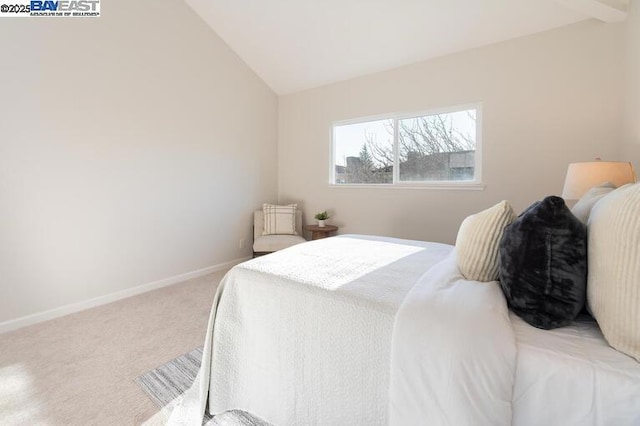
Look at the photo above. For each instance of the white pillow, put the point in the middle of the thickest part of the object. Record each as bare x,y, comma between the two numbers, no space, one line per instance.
279,220
584,205
478,240
613,283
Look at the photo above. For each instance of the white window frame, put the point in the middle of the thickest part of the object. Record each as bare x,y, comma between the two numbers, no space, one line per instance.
475,184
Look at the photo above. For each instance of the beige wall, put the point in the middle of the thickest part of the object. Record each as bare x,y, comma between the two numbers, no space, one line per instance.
549,99
631,145
133,148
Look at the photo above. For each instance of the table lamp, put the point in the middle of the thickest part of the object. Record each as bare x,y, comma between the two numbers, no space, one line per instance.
583,176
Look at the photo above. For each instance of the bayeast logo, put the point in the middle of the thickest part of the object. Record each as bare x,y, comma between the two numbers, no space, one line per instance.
65,8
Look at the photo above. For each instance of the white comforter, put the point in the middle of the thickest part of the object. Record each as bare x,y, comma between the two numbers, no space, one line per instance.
453,353
575,375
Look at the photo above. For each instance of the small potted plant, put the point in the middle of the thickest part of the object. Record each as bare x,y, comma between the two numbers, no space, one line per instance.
321,217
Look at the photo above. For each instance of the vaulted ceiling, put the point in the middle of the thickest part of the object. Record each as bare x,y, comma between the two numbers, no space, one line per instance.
295,45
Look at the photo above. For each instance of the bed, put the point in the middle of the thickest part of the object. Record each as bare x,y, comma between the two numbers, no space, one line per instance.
368,330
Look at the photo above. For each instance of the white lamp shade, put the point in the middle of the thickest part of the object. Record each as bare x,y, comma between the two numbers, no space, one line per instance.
583,176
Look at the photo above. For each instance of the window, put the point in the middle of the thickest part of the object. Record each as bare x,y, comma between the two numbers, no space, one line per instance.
404,150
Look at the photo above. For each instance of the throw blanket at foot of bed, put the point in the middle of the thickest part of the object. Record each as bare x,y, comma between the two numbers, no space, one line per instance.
304,336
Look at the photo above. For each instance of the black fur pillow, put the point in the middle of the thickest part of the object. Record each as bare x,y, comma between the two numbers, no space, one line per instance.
543,264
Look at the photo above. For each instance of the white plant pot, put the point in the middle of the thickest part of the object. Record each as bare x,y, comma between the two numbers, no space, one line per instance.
321,223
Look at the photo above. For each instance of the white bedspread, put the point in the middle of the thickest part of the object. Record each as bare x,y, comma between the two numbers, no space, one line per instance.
303,336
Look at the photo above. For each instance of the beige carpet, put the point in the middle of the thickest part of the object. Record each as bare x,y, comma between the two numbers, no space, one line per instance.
79,369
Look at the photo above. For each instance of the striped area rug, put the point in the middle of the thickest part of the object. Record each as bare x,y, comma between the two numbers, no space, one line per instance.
165,383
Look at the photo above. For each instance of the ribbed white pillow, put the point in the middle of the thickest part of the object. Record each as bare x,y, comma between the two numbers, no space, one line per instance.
583,207
478,240
613,284
279,220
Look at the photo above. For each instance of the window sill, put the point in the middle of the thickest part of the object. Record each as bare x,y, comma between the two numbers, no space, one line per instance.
446,186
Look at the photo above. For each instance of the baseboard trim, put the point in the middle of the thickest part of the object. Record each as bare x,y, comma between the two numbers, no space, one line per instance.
28,320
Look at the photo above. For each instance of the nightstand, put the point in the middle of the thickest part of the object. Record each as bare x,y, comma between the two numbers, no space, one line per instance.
318,232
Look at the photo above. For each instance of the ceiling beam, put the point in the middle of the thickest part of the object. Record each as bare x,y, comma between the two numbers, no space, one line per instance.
604,10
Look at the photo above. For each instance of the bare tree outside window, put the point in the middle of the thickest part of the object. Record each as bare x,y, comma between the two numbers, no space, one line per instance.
434,147
355,163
